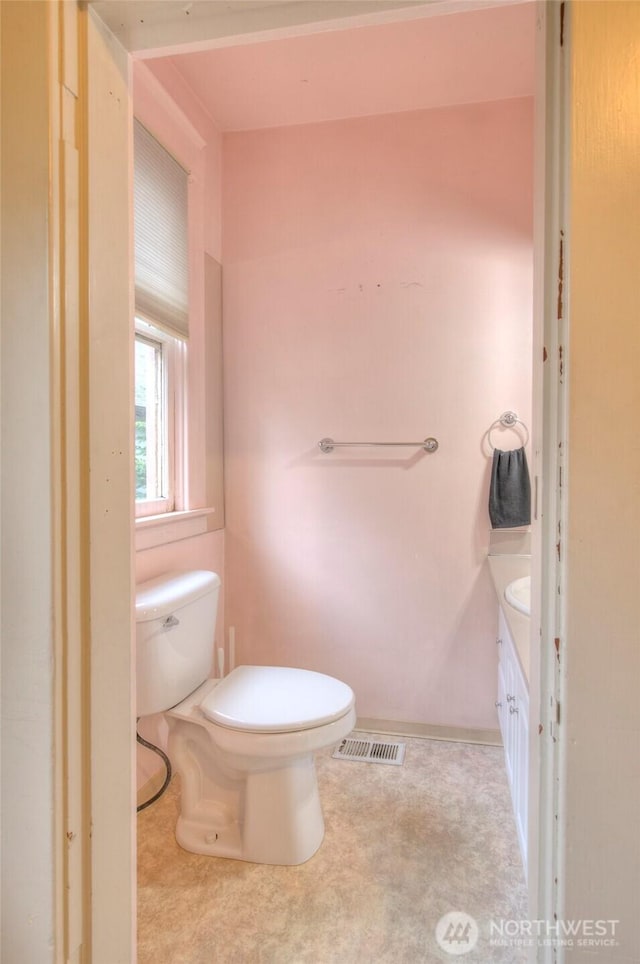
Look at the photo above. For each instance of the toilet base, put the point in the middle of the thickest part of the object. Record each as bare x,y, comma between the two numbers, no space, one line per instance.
248,796
281,820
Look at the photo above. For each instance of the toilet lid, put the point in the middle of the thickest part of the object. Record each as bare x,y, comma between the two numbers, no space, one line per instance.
276,699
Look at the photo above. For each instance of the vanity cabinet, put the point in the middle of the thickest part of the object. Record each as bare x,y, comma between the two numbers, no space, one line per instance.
513,716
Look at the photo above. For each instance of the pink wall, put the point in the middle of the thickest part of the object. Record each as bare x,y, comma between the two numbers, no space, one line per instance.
200,552
164,104
377,285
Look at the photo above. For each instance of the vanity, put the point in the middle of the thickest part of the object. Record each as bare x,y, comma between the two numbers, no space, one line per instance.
510,573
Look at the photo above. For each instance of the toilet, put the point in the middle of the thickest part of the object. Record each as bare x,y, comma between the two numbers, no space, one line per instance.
244,745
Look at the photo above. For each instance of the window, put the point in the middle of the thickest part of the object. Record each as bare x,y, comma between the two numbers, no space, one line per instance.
152,436
159,402
162,324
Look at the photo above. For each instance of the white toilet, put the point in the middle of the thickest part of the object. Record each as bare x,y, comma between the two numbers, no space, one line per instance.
243,745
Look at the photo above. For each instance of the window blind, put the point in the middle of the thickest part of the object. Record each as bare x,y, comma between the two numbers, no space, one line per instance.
160,235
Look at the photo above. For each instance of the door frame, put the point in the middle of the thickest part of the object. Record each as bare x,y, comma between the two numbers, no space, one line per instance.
106,777
91,352
550,403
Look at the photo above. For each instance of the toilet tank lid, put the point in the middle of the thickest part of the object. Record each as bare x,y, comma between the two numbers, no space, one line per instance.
161,596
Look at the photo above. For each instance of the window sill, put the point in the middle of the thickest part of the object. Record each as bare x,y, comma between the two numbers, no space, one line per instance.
160,530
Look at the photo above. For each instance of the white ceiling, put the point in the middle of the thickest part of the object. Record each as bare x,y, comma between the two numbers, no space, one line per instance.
152,26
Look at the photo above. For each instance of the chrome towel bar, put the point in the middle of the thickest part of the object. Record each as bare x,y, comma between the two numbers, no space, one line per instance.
328,445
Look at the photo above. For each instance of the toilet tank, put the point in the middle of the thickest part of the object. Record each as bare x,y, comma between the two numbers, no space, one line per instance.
175,624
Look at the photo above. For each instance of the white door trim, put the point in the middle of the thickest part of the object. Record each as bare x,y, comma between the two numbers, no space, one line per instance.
550,441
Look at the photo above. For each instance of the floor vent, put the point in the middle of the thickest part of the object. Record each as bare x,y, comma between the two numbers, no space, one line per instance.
367,751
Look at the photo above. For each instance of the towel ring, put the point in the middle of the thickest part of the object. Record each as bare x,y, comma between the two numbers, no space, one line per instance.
508,420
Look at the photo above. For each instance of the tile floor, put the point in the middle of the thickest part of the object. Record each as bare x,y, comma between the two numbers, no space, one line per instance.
403,846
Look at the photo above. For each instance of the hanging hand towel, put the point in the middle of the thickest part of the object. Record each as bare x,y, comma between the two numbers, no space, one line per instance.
510,492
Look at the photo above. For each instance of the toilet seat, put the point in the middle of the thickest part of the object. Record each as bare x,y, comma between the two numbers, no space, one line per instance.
276,699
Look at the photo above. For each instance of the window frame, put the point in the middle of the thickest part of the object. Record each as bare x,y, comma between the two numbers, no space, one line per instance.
194,144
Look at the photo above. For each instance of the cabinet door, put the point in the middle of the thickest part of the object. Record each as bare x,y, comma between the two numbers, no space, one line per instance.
521,775
513,714
511,745
501,702
506,696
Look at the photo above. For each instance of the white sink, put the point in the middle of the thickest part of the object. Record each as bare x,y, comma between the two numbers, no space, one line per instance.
518,595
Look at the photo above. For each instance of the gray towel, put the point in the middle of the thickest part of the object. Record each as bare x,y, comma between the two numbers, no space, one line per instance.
510,492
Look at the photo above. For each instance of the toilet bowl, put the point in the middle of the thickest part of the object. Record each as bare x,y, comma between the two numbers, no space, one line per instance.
249,787
244,745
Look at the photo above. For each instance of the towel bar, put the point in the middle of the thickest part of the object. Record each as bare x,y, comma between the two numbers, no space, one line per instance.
328,445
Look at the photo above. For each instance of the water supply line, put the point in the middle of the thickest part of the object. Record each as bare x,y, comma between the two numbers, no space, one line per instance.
167,763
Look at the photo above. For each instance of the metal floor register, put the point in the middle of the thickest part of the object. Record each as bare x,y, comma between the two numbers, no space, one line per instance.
370,751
